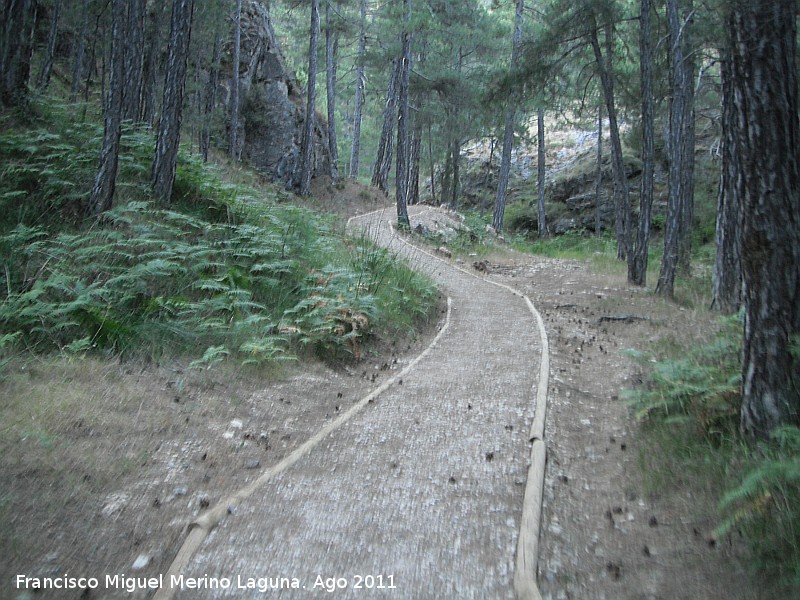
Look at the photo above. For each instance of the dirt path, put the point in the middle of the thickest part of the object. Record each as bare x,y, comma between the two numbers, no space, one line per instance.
422,491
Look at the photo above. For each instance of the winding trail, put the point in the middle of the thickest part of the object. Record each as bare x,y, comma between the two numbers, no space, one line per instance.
420,488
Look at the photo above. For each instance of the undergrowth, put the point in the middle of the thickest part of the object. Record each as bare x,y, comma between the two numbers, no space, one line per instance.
226,272
690,407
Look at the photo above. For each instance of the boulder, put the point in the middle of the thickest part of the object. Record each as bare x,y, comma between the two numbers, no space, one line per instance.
273,103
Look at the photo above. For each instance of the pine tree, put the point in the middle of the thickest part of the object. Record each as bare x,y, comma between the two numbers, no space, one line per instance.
102,195
307,144
169,127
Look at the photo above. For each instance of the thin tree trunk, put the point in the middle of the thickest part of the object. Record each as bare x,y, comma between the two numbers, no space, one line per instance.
447,174
677,154
637,262
622,207
169,127
211,95
355,154
234,148
383,159
687,146
765,86
416,155
508,134
432,164
80,55
47,63
102,195
403,146
134,57
307,145
456,162
151,65
598,176
331,51
727,275
541,173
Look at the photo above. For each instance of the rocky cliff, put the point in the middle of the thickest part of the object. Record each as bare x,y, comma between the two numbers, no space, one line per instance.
273,103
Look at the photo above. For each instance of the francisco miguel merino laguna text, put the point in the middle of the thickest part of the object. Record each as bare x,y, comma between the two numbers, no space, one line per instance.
120,581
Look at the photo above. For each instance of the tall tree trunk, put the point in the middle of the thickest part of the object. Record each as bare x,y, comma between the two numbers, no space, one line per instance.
234,147
455,153
508,134
151,64
764,60
403,147
383,158
416,155
331,51
677,151
727,276
355,154
598,176
210,100
622,207
687,145
102,195
432,163
541,216
47,62
134,57
16,46
169,126
79,57
637,261
307,144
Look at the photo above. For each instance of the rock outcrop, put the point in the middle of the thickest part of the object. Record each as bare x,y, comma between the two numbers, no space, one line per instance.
273,104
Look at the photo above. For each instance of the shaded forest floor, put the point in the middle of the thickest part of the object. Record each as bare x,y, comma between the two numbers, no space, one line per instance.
119,457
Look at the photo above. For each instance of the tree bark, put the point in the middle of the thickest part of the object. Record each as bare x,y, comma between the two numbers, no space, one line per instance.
355,154
16,46
455,153
542,222
416,156
331,52
47,62
727,275
234,147
169,126
687,146
764,61
598,176
80,55
134,57
637,262
508,134
102,195
307,143
383,158
622,207
210,100
403,146
151,64
681,155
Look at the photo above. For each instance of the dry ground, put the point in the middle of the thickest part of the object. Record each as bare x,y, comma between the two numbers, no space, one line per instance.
104,463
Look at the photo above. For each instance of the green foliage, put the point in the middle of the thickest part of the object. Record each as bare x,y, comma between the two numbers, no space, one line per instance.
226,272
691,404
700,386
765,506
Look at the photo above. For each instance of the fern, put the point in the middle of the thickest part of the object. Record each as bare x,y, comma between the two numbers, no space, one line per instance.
766,506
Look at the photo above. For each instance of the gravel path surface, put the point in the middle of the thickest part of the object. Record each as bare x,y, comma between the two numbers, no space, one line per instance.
417,496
